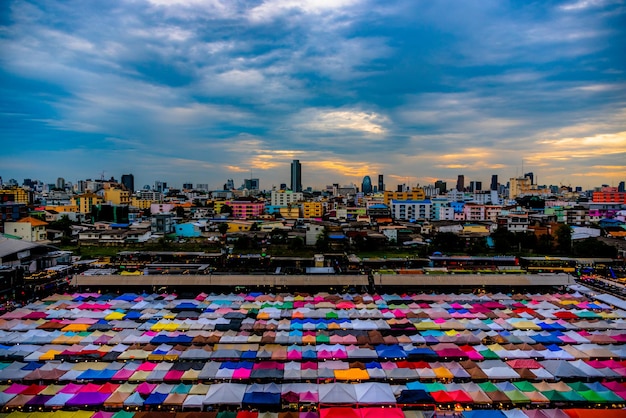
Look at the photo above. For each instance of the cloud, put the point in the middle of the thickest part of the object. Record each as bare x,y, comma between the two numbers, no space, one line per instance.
340,120
191,90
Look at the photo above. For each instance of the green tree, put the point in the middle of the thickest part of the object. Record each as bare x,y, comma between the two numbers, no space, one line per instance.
593,247
322,243
226,209
63,224
545,244
477,246
564,238
448,242
242,243
296,244
503,240
223,228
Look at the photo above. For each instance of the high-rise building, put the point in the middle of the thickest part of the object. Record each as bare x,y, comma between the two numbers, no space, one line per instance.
442,186
460,183
229,185
296,176
381,183
476,186
366,186
60,183
251,184
494,182
187,186
160,186
128,181
621,188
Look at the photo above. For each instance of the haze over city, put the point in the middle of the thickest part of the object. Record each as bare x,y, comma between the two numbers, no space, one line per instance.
201,91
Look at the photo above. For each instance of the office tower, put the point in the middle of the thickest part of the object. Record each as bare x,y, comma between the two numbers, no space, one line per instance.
460,183
128,181
251,184
621,187
476,186
442,186
60,183
381,183
229,185
494,182
187,186
160,186
296,176
366,186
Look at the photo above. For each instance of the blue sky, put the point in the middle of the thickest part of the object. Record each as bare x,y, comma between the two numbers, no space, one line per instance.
204,90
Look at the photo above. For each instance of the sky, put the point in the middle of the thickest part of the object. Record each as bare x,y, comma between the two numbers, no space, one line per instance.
200,91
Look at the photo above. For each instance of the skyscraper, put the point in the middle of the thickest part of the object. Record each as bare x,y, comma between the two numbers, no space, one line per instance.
381,183
621,187
442,186
460,183
296,176
476,186
366,186
494,182
128,181
251,184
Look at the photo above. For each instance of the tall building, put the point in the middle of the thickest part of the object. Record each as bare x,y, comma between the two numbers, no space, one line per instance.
229,185
381,183
460,183
187,186
476,186
366,186
160,186
494,182
60,183
442,186
296,176
128,181
251,184
621,188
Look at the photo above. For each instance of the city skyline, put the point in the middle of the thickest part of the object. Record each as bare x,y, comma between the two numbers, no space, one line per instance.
204,91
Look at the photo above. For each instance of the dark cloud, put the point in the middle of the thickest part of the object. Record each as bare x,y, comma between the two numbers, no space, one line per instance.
216,89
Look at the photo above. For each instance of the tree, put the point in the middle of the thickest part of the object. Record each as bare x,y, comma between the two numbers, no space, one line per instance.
593,247
243,242
477,246
564,238
226,209
447,242
503,240
180,211
322,242
545,244
223,228
296,244
63,224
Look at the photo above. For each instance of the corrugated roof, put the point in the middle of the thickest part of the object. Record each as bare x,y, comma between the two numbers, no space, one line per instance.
10,246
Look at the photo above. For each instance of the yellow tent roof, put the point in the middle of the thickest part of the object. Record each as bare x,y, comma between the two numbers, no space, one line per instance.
351,374
115,316
443,373
525,325
49,355
75,327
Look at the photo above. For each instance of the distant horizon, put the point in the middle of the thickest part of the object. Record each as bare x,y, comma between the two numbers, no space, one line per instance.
192,90
451,184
